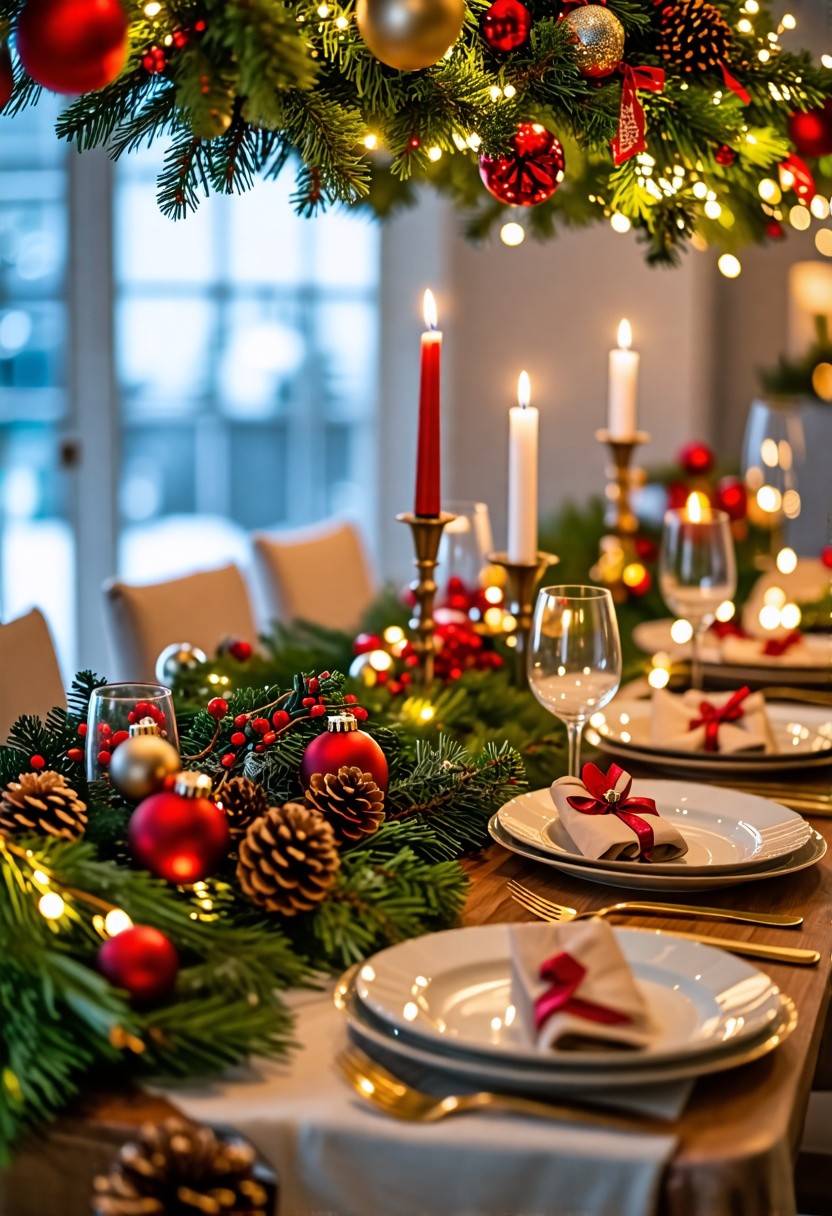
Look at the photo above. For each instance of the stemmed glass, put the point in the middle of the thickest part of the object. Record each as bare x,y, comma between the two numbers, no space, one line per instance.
697,570
464,548
574,657
114,708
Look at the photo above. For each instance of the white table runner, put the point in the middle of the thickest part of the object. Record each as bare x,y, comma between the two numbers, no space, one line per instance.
334,1156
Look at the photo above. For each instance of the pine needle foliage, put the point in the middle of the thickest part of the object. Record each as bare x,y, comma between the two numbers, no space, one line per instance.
248,86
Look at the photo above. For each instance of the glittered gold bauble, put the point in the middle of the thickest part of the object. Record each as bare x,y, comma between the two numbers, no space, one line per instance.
409,34
141,764
598,38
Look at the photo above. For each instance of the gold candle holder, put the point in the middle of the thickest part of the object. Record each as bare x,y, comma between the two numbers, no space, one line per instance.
619,516
521,580
427,533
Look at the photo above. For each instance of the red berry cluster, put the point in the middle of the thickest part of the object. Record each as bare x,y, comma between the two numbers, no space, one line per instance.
109,740
76,754
462,649
146,709
155,59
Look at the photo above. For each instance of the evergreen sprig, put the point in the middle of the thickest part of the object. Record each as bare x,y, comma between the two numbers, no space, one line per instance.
248,85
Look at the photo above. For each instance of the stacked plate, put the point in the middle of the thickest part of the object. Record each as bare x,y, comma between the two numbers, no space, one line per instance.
731,838
443,1002
802,737
654,636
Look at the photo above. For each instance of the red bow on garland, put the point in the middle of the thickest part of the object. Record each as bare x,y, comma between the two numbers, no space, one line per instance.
567,975
629,139
712,717
608,799
777,646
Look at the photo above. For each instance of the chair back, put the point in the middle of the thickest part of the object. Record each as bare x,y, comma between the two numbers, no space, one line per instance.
321,574
30,678
201,609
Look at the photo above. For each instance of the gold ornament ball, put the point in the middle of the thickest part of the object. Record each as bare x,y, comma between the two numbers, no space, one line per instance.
598,38
141,764
176,658
409,34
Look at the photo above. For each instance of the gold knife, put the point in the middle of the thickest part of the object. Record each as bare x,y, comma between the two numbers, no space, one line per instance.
775,954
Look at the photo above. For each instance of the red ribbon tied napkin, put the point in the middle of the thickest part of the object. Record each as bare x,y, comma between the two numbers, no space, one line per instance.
712,722
790,647
571,983
629,139
778,646
605,820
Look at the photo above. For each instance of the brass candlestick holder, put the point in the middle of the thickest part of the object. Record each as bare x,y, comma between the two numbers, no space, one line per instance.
521,580
427,533
617,548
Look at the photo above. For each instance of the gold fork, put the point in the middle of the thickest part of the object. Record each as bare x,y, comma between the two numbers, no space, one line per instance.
527,897
545,909
388,1093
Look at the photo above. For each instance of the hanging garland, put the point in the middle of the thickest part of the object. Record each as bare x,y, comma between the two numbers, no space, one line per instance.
661,116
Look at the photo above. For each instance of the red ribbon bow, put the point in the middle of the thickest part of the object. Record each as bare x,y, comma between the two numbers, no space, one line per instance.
801,175
777,646
605,799
629,138
567,975
712,717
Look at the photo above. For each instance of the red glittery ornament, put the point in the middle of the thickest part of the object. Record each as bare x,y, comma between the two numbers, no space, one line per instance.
811,131
343,744
72,46
725,155
6,76
732,497
696,458
506,25
179,837
143,962
826,556
531,172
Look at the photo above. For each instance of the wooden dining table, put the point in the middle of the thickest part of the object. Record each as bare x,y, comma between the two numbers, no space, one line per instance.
738,1133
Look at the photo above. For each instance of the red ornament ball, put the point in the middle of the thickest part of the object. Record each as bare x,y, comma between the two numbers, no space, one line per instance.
724,155
143,962
241,650
506,25
72,46
6,76
366,642
826,556
811,131
677,495
775,230
178,838
531,172
217,707
696,458
343,744
732,497
646,549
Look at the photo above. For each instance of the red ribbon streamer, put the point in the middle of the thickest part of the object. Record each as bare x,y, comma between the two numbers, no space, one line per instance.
727,629
629,139
734,85
804,183
712,717
567,975
777,646
607,800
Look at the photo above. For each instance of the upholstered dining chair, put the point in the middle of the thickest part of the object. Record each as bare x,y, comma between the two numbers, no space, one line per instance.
30,678
321,574
202,609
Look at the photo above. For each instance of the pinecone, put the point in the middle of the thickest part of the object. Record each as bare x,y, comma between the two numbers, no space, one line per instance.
349,800
243,801
42,802
694,36
175,1169
288,859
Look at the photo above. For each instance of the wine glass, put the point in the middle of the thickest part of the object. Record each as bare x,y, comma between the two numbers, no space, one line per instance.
774,450
114,708
574,657
463,551
697,570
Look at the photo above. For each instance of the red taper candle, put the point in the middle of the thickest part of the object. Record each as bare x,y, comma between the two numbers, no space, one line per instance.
427,454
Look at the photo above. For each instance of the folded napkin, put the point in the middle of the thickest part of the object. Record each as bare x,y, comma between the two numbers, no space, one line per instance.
712,722
570,983
788,648
606,821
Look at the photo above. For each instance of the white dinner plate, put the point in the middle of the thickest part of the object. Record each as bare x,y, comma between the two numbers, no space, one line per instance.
725,830
640,878
802,733
453,991
654,636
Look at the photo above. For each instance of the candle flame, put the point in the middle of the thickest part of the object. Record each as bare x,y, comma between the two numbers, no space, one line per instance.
524,390
625,335
697,507
429,310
